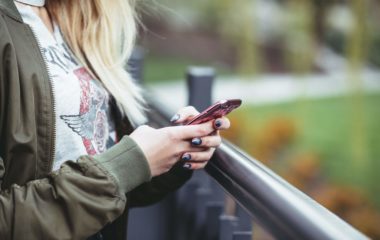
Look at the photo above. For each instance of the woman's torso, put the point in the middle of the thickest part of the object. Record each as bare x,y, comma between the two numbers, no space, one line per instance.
83,123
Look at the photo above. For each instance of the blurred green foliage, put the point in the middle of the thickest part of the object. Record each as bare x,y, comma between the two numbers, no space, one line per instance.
323,128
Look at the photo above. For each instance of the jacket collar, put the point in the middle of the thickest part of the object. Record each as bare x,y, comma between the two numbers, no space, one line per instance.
9,8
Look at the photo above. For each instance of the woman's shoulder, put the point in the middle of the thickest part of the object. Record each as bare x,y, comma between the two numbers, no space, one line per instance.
8,10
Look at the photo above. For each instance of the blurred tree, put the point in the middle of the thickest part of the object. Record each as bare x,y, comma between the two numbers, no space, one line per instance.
300,37
357,49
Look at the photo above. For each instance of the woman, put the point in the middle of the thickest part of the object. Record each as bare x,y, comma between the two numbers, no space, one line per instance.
68,169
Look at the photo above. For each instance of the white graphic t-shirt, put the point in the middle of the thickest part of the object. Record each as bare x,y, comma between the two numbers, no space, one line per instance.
83,122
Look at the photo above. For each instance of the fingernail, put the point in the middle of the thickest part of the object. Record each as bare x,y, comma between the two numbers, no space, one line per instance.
196,141
186,157
218,123
187,166
175,118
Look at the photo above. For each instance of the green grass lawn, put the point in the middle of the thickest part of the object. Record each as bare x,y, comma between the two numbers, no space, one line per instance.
347,140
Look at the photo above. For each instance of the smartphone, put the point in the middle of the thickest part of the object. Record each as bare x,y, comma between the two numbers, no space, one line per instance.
217,110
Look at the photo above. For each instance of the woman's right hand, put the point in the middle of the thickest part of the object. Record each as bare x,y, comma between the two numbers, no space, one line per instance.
164,147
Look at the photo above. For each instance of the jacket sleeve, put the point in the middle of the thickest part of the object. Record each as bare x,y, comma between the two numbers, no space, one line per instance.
75,201
153,191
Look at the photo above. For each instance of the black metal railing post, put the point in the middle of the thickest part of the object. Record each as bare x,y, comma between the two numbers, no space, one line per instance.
228,225
242,236
192,217
209,197
199,82
213,212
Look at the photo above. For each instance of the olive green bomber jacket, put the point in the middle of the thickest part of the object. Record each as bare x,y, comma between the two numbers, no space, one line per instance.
85,194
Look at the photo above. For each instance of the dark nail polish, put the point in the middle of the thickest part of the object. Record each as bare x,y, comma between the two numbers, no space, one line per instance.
218,123
196,141
186,157
187,166
175,118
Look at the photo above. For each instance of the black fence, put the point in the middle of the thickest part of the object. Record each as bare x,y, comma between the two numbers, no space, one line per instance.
205,208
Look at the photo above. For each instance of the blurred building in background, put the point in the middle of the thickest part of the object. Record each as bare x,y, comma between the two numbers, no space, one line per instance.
308,73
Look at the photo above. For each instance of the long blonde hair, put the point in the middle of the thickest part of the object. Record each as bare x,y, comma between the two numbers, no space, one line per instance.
102,34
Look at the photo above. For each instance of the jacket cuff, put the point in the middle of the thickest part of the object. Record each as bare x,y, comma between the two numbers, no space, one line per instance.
127,163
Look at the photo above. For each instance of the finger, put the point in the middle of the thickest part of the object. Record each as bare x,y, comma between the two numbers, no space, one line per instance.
215,133
208,141
186,146
192,131
222,123
195,166
198,156
184,114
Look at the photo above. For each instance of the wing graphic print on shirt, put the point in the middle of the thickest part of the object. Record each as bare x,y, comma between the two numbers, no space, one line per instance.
83,124
92,121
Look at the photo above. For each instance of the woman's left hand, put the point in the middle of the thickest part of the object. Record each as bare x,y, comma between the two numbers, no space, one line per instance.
205,145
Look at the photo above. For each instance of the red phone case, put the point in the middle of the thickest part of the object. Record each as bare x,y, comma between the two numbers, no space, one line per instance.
216,110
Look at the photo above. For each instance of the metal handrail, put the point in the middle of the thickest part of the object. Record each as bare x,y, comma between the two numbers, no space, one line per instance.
284,211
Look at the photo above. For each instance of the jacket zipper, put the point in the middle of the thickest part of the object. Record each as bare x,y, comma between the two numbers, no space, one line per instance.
52,94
